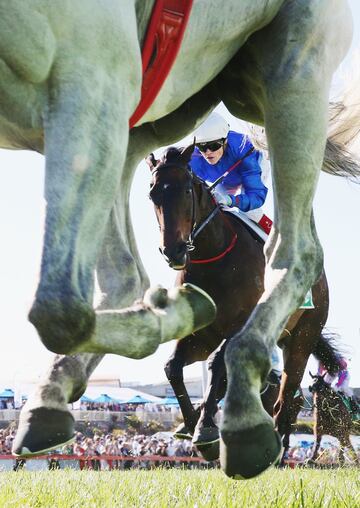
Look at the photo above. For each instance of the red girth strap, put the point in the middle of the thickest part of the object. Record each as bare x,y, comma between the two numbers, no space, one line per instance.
219,256
162,42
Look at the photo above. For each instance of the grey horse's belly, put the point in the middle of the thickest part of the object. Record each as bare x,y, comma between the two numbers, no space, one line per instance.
15,137
207,47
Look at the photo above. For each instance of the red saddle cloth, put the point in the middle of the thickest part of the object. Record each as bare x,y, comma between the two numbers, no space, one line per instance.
162,42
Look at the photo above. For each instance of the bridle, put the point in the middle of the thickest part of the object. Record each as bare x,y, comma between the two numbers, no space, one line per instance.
196,229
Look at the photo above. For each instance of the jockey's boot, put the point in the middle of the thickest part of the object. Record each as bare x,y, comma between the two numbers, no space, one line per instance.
265,223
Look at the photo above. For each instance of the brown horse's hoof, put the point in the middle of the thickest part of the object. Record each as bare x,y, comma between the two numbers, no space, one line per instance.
209,452
248,453
205,436
41,430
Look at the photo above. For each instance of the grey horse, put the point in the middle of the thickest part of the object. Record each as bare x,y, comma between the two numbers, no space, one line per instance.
70,79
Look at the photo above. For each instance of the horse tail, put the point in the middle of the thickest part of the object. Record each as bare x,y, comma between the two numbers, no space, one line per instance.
328,351
344,134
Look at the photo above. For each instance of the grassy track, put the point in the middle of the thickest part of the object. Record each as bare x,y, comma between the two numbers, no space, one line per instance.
177,488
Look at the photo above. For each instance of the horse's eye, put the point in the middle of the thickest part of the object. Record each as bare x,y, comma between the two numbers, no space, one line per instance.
156,195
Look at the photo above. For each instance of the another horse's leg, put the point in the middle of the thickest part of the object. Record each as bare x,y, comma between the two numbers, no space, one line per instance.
296,81
206,431
346,443
296,352
318,432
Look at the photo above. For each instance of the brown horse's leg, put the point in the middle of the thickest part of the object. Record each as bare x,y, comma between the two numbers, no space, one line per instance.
296,352
206,431
315,454
346,443
174,372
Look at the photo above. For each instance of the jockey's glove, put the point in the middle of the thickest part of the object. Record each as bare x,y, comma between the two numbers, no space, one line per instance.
223,199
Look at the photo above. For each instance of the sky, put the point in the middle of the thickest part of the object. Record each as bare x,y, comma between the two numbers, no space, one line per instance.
25,359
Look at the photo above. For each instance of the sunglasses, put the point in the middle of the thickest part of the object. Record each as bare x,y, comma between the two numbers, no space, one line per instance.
212,145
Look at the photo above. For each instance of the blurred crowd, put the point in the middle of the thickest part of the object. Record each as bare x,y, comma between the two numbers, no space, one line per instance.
124,407
6,438
136,447
144,451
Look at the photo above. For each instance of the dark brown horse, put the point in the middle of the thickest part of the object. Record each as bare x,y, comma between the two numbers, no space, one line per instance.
331,417
216,251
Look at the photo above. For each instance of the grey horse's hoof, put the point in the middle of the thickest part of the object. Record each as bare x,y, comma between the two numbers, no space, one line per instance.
203,306
209,452
205,436
247,453
41,430
183,432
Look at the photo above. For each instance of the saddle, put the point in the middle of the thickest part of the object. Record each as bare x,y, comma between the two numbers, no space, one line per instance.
252,226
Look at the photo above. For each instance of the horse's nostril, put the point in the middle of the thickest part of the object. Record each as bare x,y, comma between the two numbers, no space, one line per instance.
181,249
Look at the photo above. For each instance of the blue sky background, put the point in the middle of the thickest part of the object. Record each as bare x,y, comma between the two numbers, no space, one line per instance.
24,358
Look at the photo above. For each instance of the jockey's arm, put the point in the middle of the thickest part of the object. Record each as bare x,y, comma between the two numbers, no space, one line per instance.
343,378
254,191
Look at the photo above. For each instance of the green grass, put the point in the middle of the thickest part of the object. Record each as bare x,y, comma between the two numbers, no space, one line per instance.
180,488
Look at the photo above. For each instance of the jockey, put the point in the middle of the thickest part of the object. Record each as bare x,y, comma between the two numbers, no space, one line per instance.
339,381
217,150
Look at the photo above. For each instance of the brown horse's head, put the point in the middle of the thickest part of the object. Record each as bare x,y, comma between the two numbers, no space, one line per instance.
319,385
171,192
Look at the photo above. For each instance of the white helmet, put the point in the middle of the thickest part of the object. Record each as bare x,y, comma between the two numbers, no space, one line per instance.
214,127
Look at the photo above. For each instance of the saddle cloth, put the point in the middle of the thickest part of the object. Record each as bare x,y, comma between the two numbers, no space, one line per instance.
352,406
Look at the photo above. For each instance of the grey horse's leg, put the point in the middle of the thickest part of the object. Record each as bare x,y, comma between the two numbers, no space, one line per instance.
45,421
85,161
296,81
122,279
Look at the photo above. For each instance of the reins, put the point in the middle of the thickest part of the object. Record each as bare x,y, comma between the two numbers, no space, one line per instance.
224,175
219,256
197,230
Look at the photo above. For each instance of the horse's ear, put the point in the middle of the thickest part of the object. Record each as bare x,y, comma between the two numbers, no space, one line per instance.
187,152
151,161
